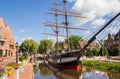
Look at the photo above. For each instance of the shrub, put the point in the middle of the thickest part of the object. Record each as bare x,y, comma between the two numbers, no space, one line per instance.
26,56
21,58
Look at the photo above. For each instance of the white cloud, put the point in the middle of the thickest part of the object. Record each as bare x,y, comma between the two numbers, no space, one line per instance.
26,38
98,22
92,9
87,32
22,30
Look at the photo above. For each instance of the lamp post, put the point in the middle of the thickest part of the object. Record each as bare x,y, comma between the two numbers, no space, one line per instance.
16,52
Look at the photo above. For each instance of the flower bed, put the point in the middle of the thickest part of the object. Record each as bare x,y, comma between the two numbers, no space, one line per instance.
2,74
1,71
14,65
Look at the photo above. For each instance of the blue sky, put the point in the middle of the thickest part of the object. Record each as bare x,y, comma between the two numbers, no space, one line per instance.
26,17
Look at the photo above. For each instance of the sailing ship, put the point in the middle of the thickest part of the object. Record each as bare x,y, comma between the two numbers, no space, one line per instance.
68,59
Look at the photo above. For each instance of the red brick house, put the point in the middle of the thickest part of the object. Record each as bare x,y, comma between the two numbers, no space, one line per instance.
81,44
7,44
113,41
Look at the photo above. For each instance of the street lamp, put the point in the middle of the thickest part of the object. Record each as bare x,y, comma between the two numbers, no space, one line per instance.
16,52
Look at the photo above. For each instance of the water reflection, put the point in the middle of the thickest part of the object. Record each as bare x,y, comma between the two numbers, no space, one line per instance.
43,71
35,69
68,74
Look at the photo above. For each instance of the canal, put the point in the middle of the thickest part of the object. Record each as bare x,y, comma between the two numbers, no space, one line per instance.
44,71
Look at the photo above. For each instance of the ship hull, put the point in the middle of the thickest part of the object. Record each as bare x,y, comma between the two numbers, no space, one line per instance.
66,62
69,64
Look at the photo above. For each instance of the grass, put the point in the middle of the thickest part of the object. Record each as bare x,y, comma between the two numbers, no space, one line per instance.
102,65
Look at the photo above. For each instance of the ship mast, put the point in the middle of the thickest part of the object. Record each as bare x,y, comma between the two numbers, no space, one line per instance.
66,24
57,12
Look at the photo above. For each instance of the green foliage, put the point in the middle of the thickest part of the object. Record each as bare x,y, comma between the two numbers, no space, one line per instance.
21,58
1,71
35,67
101,65
43,68
29,46
60,45
89,52
73,40
9,70
103,51
95,52
45,45
13,64
98,47
116,51
106,53
1,74
26,56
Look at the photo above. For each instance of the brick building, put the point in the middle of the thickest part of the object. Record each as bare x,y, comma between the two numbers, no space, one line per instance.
81,44
7,44
113,41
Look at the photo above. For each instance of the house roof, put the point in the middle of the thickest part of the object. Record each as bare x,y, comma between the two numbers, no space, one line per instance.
117,36
83,43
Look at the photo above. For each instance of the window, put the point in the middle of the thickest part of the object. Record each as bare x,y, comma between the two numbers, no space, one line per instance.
1,51
2,43
1,36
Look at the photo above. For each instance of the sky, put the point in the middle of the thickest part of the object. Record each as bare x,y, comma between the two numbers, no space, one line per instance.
26,17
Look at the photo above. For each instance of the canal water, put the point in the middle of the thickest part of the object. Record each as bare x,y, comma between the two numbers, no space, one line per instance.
44,71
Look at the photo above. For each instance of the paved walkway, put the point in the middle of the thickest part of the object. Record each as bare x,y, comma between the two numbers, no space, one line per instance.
103,59
27,72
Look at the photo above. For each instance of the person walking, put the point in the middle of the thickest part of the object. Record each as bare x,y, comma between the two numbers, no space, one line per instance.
30,59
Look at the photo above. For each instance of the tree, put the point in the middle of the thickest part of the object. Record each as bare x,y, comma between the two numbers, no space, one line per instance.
95,52
60,45
29,46
106,53
73,40
116,51
45,45
89,52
